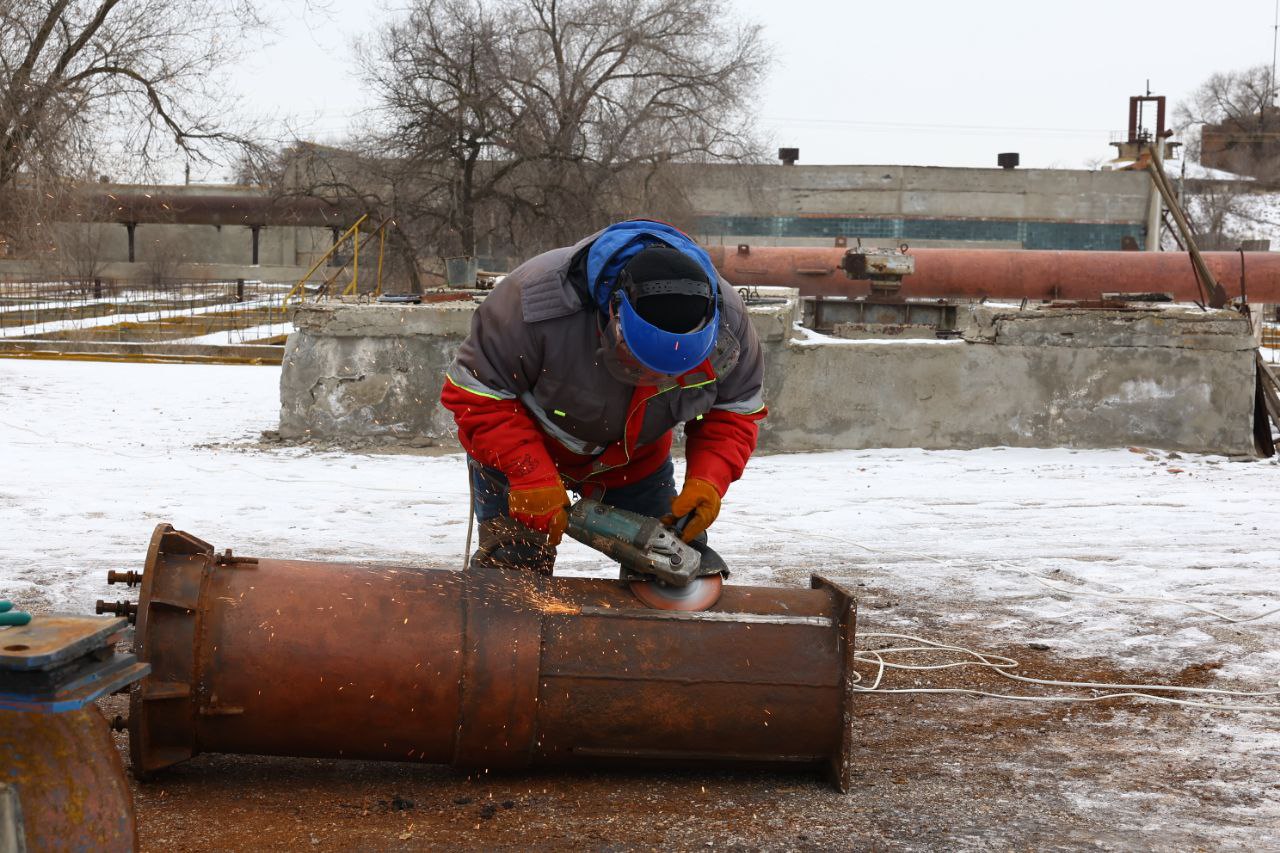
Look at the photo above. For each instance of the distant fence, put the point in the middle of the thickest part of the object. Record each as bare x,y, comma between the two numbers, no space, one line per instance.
178,311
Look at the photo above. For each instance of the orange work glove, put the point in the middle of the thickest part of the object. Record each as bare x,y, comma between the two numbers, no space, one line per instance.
700,498
542,508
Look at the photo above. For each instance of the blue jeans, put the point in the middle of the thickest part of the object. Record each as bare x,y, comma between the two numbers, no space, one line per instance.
650,496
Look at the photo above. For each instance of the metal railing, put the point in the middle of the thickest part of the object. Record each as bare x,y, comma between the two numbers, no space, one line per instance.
327,288
173,311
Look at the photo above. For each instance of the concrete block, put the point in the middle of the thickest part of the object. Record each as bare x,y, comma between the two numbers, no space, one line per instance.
355,320
360,371
958,394
1170,377
773,321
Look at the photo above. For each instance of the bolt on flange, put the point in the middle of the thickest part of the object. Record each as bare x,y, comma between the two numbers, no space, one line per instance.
117,608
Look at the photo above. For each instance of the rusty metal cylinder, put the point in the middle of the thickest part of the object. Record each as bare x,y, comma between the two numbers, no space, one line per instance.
66,781
483,669
1006,273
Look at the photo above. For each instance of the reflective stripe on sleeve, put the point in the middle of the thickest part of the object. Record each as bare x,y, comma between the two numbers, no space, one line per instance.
460,377
749,406
572,444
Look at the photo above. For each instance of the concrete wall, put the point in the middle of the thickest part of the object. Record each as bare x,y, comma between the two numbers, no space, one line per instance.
186,252
1176,379
1048,194
280,246
83,250
1029,208
1172,378
120,272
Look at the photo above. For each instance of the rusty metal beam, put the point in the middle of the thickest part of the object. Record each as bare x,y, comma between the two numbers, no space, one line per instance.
481,669
157,205
1005,274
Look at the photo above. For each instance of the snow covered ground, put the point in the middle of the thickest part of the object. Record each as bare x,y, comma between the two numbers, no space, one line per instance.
999,547
241,336
95,454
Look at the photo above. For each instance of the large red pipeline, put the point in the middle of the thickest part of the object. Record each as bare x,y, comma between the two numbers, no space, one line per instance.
480,669
1006,273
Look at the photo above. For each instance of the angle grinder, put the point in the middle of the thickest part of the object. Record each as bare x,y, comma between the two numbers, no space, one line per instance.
662,570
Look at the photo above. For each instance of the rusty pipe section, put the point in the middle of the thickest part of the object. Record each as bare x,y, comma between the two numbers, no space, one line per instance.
178,206
1006,274
482,669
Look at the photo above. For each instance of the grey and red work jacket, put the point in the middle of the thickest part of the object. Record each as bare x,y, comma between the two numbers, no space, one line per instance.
533,398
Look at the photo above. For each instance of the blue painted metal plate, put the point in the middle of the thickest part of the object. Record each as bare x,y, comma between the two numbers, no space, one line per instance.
104,678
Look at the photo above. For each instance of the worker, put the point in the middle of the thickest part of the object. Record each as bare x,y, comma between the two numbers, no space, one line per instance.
579,365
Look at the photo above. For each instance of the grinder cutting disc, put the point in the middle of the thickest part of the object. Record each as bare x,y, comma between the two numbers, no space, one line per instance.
700,594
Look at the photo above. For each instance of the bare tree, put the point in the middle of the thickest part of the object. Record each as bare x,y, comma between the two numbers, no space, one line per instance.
440,76
80,79
530,122
82,252
363,180
1224,214
612,90
1231,122
164,251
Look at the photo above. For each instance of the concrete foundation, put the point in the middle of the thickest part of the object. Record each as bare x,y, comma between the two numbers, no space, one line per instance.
1042,377
369,371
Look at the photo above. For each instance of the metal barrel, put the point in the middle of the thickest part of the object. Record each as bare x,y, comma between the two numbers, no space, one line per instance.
483,669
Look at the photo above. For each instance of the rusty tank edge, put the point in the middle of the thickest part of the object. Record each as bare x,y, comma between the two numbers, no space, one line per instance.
483,669
62,783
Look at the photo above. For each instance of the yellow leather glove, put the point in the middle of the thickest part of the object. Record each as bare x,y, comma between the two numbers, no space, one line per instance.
542,508
700,498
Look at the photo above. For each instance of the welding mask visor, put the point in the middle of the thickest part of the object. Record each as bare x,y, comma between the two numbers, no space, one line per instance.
658,349
622,363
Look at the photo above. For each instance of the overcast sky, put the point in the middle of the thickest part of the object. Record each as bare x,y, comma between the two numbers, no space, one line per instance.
927,82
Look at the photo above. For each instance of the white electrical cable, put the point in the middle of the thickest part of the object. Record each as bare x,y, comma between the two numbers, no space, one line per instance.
1001,665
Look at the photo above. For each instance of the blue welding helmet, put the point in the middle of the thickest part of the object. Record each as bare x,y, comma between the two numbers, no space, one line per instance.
666,310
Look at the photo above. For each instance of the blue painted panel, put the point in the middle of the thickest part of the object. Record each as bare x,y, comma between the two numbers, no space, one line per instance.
960,229
1033,234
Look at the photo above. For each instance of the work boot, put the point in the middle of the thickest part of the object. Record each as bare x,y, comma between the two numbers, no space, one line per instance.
507,544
